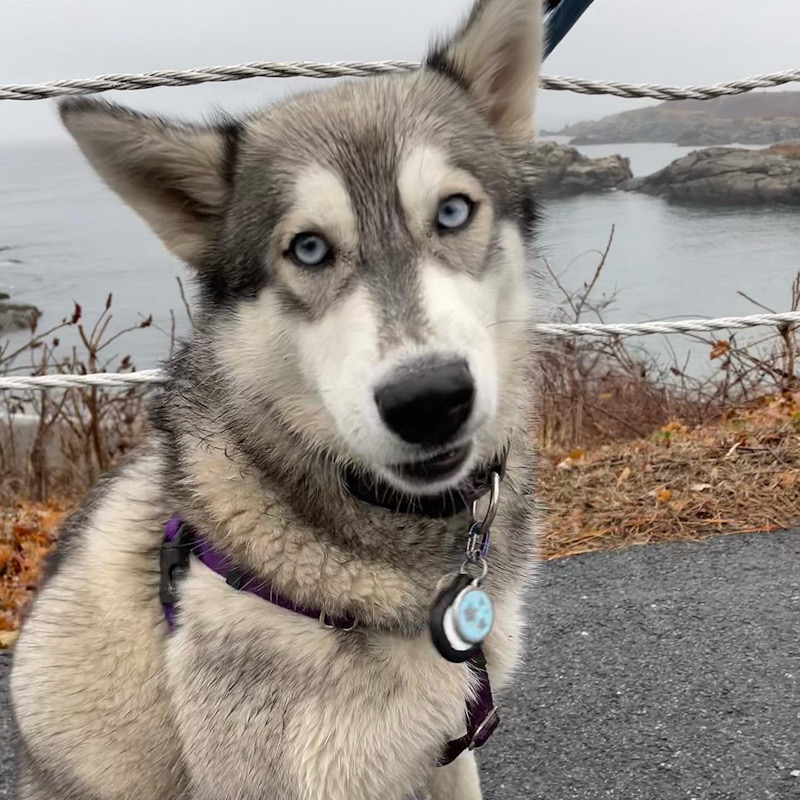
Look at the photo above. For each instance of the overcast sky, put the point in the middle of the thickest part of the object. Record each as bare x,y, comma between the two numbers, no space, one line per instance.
668,41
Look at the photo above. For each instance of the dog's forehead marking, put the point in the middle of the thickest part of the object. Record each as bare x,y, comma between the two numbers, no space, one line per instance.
321,202
426,176
367,161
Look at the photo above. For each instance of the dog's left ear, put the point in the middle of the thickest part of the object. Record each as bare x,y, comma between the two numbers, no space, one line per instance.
496,56
172,174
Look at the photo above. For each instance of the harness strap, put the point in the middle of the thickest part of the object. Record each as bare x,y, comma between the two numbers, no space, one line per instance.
180,543
482,716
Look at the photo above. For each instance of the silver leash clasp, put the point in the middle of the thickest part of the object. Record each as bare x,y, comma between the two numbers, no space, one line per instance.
494,501
480,535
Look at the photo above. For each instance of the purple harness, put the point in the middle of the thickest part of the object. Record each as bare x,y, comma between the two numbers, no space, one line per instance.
180,542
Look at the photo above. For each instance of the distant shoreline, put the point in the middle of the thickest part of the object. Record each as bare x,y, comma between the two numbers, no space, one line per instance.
759,118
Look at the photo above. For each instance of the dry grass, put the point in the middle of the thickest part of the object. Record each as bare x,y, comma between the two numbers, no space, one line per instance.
27,532
604,390
738,474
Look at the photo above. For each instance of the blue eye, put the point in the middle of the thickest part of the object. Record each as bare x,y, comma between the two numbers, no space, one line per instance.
310,250
454,212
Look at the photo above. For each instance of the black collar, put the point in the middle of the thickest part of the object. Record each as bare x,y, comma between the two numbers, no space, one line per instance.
376,492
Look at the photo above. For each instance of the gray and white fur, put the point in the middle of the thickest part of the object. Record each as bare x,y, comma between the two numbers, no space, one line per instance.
269,400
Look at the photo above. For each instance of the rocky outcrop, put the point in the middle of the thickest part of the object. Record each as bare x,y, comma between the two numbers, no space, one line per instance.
747,131
686,130
759,118
726,176
16,316
561,171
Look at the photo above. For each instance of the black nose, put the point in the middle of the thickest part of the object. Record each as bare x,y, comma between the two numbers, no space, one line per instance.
429,406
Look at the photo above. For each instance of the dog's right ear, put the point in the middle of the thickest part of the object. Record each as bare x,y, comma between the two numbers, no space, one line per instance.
173,175
495,57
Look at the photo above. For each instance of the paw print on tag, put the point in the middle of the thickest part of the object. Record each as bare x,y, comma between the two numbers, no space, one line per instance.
474,616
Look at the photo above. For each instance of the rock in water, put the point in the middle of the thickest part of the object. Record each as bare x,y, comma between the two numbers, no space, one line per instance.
16,316
727,176
561,171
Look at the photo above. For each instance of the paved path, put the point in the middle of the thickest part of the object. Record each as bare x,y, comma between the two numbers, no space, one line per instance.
657,673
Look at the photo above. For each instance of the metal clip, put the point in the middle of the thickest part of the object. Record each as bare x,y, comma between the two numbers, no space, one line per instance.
480,532
494,500
477,543
324,621
485,729
474,565
481,564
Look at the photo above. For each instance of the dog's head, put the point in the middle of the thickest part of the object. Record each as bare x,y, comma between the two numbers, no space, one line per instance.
360,251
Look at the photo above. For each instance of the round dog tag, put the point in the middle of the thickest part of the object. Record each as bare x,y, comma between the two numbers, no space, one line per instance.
461,618
473,614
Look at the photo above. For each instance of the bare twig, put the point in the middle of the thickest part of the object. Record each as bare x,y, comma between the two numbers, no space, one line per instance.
755,302
186,306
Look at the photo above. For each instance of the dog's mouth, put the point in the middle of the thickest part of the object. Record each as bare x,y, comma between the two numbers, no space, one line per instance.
439,467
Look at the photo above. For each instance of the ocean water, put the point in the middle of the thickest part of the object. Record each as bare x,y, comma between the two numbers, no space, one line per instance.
69,238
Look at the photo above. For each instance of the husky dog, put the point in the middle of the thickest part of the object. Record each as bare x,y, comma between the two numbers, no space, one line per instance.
361,258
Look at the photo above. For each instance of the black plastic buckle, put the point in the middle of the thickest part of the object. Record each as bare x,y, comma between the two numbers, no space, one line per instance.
235,578
174,560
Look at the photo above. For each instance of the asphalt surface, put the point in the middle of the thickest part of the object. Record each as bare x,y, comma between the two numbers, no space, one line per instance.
666,672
